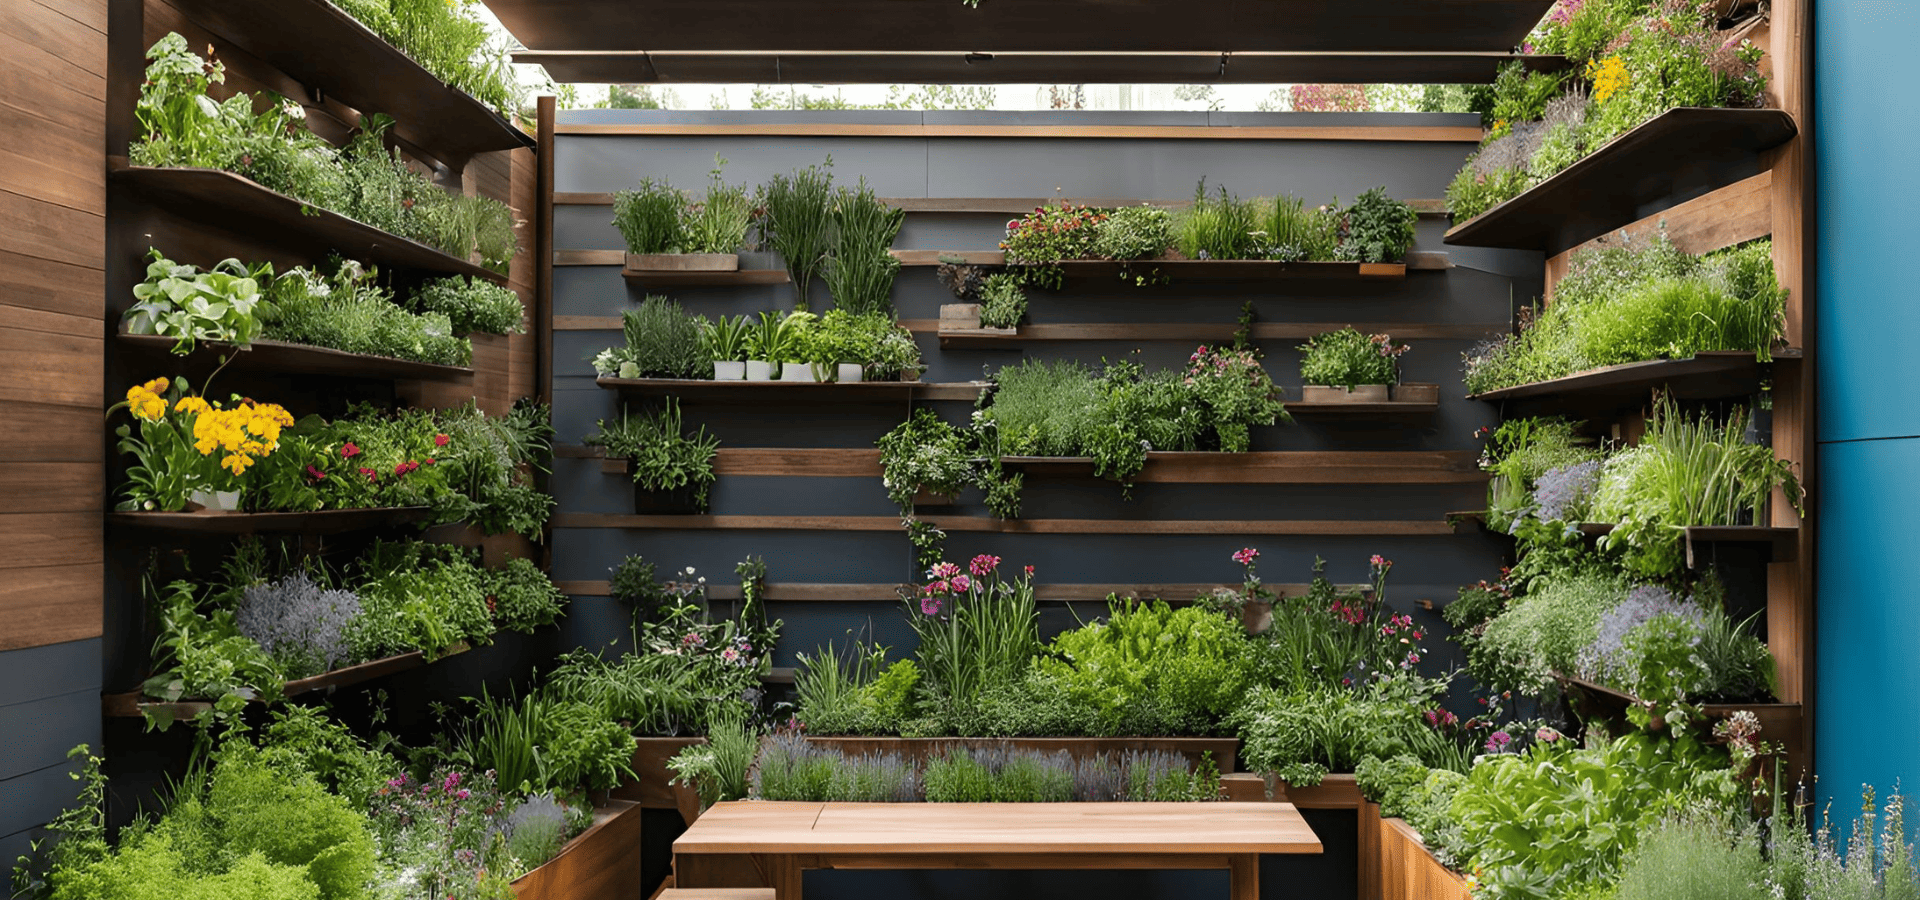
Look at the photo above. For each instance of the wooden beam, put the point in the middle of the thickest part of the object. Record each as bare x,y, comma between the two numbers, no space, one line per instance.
851,593
1359,527
1278,467
1416,133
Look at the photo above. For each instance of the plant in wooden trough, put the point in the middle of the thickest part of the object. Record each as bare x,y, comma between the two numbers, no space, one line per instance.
670,466
190,450
1347,365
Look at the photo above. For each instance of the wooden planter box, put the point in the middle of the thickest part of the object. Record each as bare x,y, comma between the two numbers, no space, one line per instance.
1224,750
650,754
602,863
640,263
1415,392
1336,791
1359,393
1404,869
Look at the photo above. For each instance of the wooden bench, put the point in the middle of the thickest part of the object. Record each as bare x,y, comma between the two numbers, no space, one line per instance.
768,844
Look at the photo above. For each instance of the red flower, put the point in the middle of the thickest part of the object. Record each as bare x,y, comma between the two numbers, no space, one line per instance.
430,460
316,474
348,450
371,474
440,440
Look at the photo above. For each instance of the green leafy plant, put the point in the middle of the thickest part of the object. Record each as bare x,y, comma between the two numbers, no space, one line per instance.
1134,232
718,768
222,304
649,217
1002,301
449,40
1222,226
661,455
925,453
1302,233
976,629
200,653
719,222
1346,358
1378,229
543,744
663,341
859,270
1051,234
472,305
1150,669
521,597
347,311
726,338
799,222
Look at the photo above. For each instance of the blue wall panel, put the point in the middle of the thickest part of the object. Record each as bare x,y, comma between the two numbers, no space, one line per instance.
1867,713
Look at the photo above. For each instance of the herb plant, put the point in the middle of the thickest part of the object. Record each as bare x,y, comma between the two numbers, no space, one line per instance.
345,311
1135,232
719,222
1378,229
1002,301
649,217
799,222
663,341
472,305
1222,226
1346,358
661,455
222,304
859,270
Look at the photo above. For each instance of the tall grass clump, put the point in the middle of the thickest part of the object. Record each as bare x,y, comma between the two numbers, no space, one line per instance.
1221,226
860,271
799,222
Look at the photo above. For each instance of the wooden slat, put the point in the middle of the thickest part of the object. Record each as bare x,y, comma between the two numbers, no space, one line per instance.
52,604
39,432
589,257
1200,331
50,231
1276,467
29,282
41,539
890,593
1368,527
1442,133
603,861
1734,214
993,205
44,25
328,521
55,369
61,165
55,487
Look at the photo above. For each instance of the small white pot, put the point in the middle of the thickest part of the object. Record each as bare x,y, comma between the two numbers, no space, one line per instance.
759,370
846,372
729,370
798,372
220,500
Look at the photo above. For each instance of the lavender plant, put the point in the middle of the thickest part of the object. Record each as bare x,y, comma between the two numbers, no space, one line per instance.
301,624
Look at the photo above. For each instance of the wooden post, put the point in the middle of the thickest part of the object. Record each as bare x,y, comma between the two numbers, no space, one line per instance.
1243,874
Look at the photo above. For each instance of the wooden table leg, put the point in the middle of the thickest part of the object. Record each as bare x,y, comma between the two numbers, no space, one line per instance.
1243,876
783,875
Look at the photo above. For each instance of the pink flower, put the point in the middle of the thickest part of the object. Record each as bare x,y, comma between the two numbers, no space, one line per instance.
1246,556
316,474
930,605
943,571
1497,742
983,565
939,587
1029,571
453,781
1546,735
1378,560
728,655
961,583
349,450
441,440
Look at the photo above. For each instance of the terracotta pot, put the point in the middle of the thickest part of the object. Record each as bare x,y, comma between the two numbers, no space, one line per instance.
1360,393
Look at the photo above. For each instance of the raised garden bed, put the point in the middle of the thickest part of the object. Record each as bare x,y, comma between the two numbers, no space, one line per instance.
601,863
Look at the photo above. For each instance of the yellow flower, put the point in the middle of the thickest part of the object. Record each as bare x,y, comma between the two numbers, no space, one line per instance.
150,408
1609,76
157,385
191,405
236,463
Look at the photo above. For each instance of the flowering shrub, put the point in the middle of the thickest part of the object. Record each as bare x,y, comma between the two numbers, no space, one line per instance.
1051,234
1236,391
977,630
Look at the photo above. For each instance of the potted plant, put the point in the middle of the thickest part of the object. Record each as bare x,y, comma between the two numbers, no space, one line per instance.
847,341
926,462
190,453
726,339
895,355
793,348
665,232
1346,366
663,341
1378,229
672,470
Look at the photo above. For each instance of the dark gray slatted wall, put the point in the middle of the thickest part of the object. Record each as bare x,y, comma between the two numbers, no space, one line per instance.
1477,293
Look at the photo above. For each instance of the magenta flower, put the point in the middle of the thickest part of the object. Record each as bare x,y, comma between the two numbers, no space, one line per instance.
1029,571
943,571
930,605
1246,556
961,583
1546,735
453,781
1497,742
983,565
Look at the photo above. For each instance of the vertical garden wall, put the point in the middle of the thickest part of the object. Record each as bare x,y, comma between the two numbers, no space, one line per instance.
799,480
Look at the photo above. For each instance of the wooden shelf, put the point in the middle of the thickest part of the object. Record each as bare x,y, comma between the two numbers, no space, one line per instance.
1287,467
131,703
972,338
326,521
666,278
301,359
1710,375
1304,409
1677,155
329,51
785,391
1192,270
890,593
1780,723
227,200
975,524
1782,543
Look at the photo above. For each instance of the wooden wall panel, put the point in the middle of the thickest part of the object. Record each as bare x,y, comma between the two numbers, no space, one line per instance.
53,73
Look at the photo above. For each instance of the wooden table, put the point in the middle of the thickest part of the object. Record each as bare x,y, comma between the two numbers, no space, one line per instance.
759,843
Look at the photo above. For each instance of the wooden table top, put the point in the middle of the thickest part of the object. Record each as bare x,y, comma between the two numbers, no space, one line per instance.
759,826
